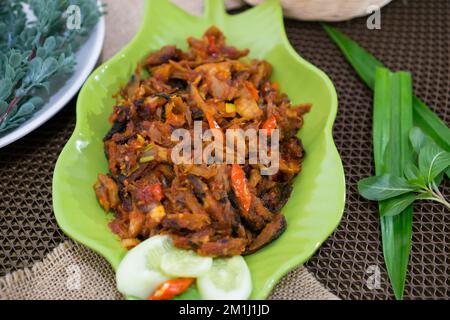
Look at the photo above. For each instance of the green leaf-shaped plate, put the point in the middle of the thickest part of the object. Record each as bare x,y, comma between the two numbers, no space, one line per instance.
317,201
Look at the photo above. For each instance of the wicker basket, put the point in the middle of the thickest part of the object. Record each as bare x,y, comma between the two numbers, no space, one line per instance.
327,10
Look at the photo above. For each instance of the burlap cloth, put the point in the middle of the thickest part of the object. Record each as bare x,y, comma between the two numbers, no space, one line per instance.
72,271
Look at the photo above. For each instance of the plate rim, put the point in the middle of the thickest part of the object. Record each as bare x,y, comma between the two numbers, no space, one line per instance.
326,135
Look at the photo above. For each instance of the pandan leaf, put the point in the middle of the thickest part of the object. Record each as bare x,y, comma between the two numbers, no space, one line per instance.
392,122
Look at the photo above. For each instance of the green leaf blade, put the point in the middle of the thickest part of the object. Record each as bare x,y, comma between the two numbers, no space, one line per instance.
397,205
392,124
381,119
396,232
431,124
365,64
384,187
413,175
419,139
404,101
433,161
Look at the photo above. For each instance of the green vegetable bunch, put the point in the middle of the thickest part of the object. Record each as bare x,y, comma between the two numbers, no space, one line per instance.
33,52
411,147
419,182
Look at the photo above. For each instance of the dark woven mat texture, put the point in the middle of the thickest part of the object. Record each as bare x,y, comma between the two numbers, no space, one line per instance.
414,36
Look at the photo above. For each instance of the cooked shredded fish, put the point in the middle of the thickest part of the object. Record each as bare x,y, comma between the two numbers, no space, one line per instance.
217,209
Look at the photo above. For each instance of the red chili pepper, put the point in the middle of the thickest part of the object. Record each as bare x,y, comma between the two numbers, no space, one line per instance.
239,184
270,124
253,91
212,44
275,86
156,191
211,122
171,288
151,193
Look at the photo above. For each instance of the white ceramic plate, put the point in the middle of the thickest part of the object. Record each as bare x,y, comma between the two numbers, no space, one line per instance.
86,56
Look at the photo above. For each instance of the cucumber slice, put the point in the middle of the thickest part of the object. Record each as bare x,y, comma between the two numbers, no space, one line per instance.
228,279
185,263
139,273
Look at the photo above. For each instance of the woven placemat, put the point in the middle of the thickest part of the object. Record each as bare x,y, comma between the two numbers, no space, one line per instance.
414,36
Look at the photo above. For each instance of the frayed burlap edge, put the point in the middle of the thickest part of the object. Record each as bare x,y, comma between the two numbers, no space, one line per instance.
73,272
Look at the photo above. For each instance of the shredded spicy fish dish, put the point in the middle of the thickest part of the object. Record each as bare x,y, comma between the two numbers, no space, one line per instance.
216,209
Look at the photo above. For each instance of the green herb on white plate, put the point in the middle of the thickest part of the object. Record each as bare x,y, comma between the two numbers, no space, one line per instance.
33,52
421,183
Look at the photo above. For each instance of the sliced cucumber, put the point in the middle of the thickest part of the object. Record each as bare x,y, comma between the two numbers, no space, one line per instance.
185,263
139,273
228,279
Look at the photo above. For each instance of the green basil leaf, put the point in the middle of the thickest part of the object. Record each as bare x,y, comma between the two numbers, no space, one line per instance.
397,205
384,187
419,140
425,196
432,161
414,177
411,171
438,179
431,124
419,183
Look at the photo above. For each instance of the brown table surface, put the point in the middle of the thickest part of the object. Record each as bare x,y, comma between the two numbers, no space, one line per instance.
415,36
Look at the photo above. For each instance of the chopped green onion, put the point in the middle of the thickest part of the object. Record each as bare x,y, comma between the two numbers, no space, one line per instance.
147,154
148,147
146,159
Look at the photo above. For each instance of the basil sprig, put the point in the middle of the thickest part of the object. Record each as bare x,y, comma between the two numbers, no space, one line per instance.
422,180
